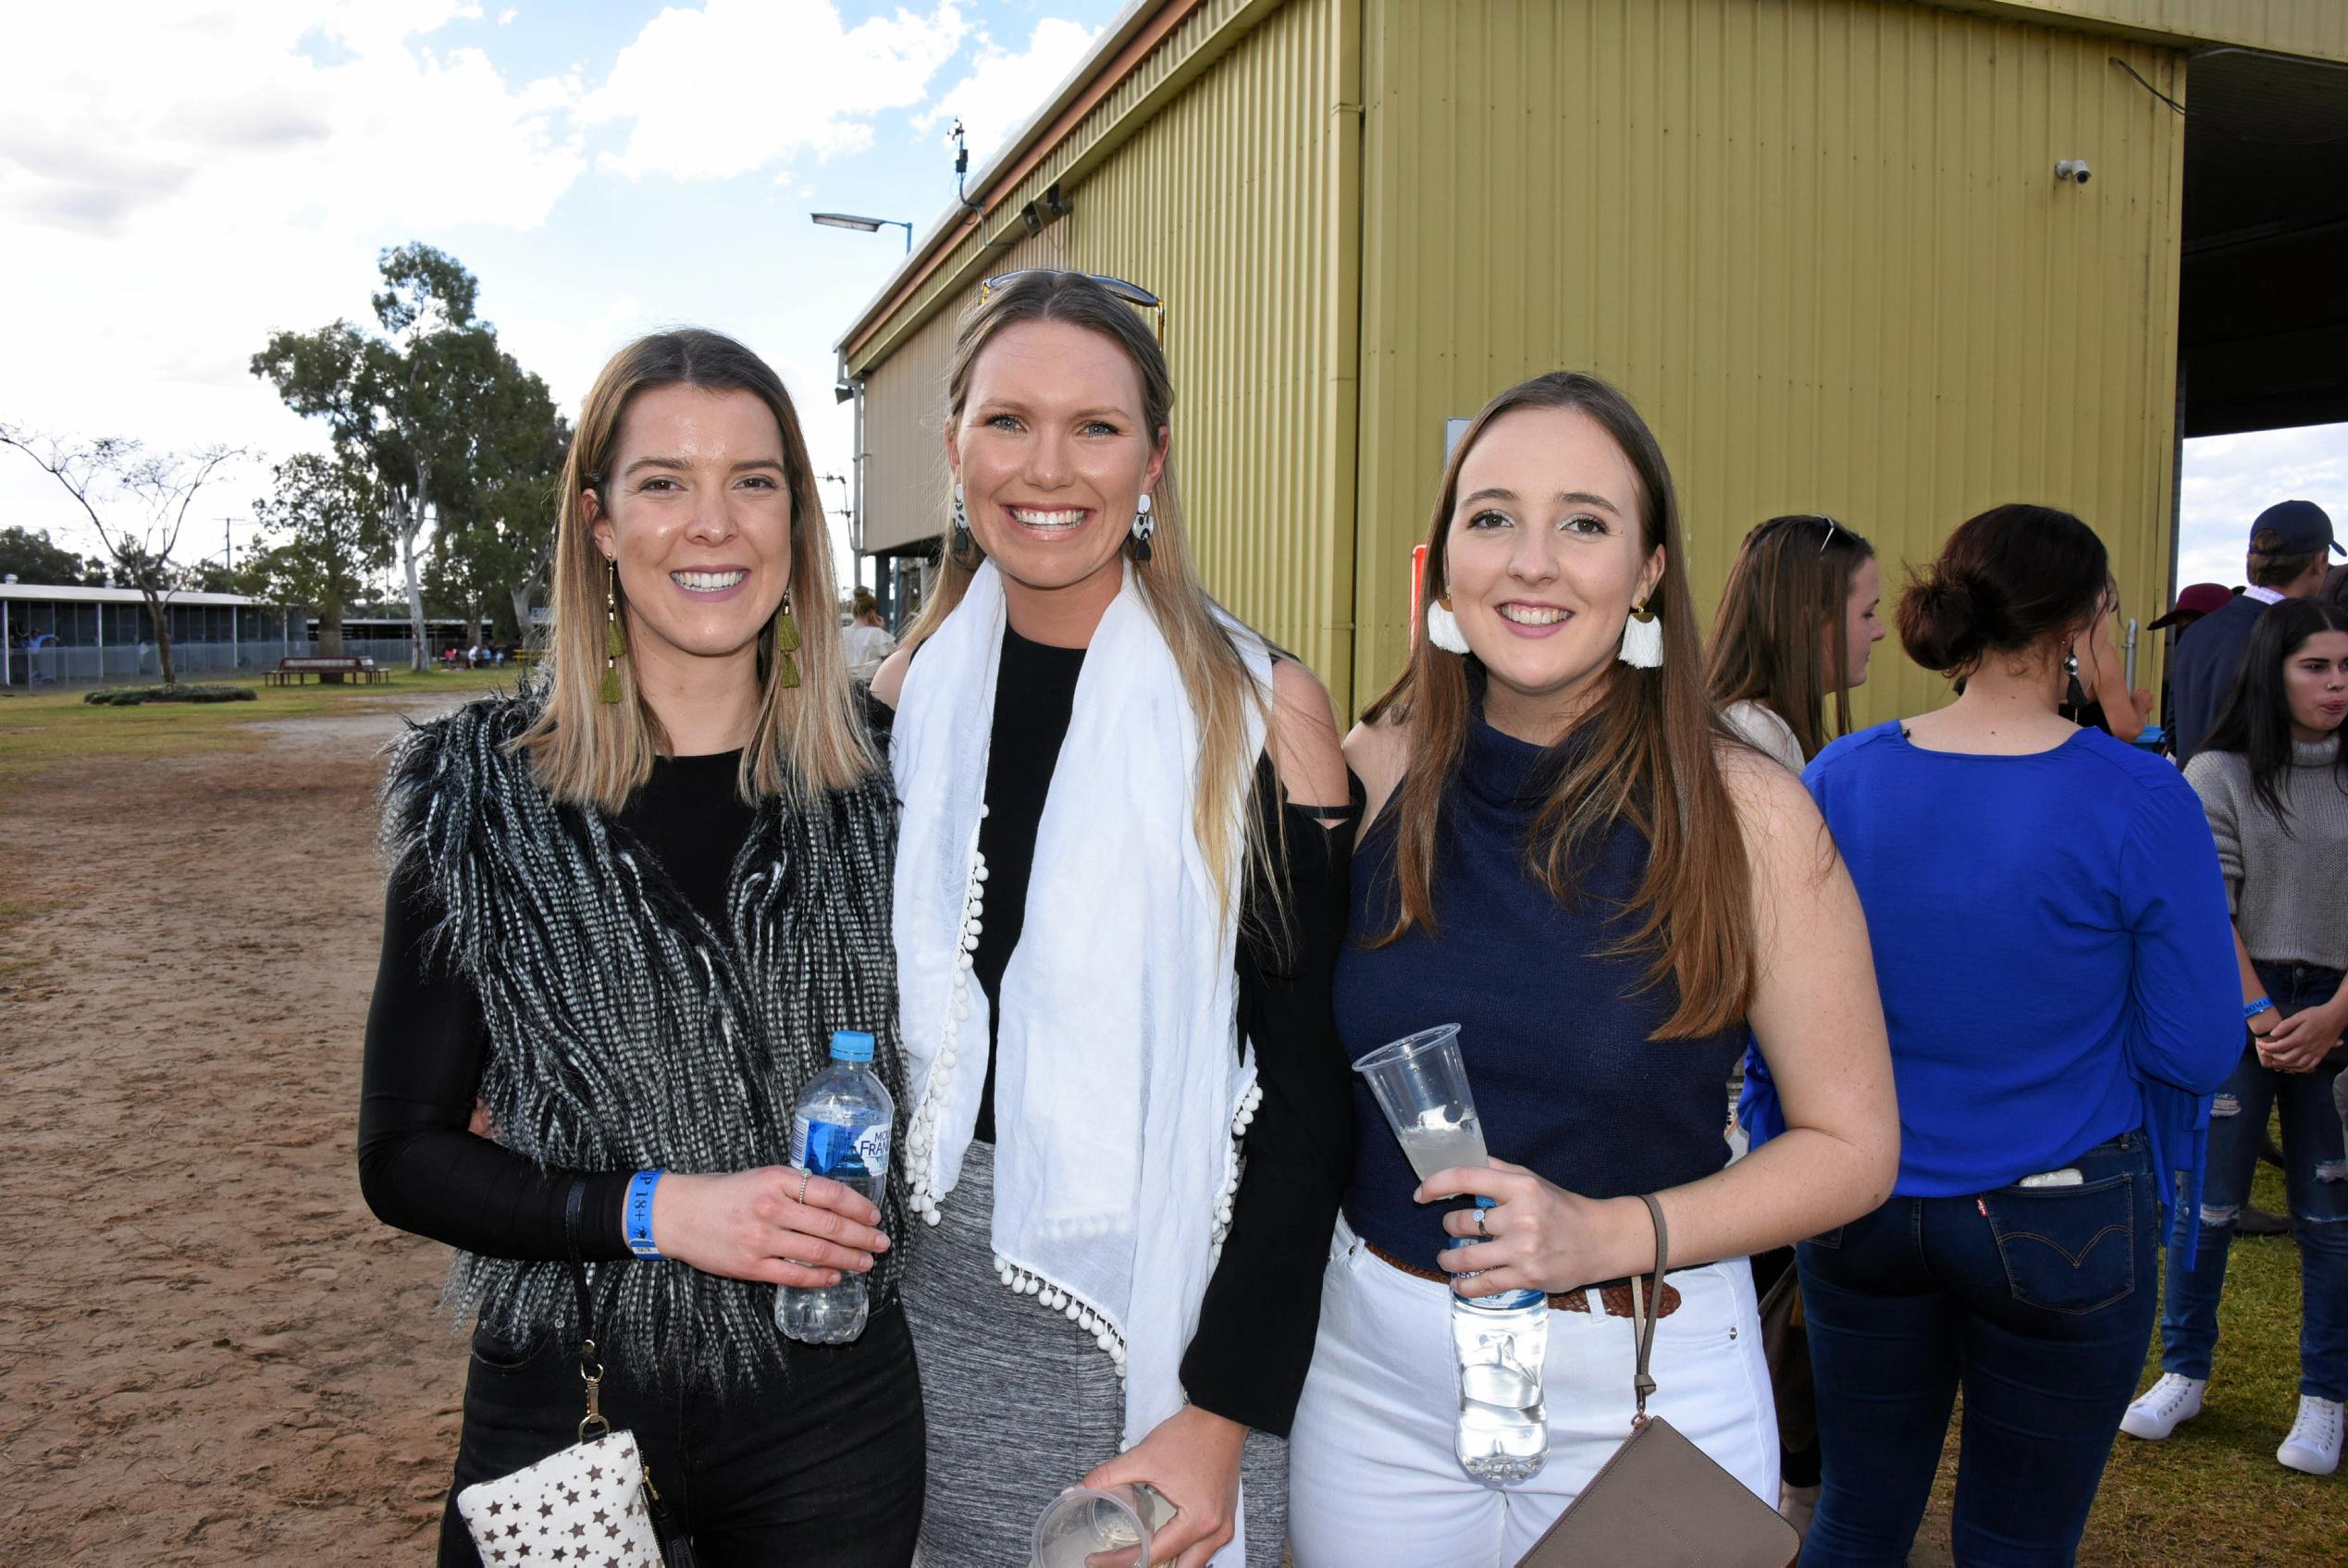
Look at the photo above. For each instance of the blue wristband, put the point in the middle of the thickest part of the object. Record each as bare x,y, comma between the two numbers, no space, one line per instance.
638,1223
2252,1009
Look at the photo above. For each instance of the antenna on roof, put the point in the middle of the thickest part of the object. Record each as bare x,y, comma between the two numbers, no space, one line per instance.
962,169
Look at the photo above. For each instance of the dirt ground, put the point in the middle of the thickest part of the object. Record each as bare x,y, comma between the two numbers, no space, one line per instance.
210,1352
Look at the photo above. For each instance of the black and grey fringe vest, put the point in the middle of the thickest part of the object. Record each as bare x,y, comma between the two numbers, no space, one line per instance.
626,1033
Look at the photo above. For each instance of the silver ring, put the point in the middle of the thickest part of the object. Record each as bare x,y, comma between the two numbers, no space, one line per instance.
1480,1231
805,1177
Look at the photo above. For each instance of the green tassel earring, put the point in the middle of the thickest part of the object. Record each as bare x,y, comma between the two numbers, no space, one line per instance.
786,643
615,642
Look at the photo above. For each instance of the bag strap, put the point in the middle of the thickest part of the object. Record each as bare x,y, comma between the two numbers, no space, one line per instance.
1643,1308
590,1362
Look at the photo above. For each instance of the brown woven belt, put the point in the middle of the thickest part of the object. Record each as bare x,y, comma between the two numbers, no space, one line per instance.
1617,1297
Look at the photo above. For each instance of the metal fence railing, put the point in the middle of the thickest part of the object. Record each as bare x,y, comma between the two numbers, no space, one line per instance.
124,665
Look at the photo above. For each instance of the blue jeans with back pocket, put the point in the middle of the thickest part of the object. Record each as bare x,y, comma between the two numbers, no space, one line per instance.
2037,1302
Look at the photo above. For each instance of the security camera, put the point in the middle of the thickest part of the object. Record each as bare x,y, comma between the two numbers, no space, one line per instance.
2074,168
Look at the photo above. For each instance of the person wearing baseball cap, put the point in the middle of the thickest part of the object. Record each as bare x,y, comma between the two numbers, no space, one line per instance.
2291,545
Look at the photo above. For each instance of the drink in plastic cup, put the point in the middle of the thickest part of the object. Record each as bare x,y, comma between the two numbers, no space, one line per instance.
1499,1343
1100,1528
1422,1086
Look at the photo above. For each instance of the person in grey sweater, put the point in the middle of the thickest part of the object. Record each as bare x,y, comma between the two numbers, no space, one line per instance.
2274,784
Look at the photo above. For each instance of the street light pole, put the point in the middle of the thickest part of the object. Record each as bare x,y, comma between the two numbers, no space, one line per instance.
228,558
864,224
847,513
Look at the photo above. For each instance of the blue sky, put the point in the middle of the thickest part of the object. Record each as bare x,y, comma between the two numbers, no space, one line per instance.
179,181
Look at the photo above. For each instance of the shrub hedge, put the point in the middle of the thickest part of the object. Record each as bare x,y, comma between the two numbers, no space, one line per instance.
131,696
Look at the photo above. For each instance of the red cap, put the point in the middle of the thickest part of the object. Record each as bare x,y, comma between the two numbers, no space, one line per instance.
2195,603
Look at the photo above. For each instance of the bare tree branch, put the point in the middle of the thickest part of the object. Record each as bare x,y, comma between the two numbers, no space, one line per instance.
114,475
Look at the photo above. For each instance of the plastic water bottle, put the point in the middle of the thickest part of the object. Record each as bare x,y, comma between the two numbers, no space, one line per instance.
840,1130
1500,1344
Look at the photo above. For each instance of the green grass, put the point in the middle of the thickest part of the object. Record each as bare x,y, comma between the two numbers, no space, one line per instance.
54,729
2212,1493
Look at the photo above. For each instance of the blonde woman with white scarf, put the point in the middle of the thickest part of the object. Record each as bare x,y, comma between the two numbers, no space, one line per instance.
1114,927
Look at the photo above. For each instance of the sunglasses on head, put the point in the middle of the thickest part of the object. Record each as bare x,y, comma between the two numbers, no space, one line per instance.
1797,520
1131,293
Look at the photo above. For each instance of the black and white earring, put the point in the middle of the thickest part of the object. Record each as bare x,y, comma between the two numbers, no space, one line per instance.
960,542
1144,526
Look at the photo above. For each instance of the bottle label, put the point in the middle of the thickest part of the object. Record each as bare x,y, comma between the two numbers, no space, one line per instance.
830,1148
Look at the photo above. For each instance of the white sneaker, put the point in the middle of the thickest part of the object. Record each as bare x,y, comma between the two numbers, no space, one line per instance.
2171,1403
2314,1444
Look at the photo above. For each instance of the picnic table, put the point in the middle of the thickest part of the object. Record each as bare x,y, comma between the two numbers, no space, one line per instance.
298,669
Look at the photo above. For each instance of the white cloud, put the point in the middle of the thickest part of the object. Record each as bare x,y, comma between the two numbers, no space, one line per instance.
262,109
741,84
176,188
1004,90
2229,480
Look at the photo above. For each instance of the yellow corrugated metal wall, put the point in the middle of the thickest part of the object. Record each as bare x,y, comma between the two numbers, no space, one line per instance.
1819,241
1226,205
1235,202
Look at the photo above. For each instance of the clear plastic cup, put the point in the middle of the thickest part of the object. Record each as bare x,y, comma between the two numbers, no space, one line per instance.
1100,1528
1421,1085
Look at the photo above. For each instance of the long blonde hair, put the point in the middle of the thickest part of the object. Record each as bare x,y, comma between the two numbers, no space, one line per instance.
1648,761
807,738
1221,689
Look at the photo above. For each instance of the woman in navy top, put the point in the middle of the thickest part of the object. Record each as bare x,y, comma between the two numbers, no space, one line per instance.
1570,858
2050,934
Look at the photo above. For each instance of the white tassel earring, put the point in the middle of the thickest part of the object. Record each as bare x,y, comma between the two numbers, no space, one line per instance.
1643,640
1442,627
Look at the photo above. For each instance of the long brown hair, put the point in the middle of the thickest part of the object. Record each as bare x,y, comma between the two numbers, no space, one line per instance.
1791,578
1642,754
1222,691
807,738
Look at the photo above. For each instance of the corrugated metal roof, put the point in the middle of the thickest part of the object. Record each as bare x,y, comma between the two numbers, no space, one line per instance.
65,594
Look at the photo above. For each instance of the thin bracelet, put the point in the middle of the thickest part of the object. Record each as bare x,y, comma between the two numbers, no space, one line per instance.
638,1222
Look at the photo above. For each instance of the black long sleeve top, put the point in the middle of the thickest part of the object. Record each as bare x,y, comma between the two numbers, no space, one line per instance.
421,1168
1253,1343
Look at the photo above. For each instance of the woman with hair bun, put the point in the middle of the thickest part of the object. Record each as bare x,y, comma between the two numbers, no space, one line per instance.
2049,931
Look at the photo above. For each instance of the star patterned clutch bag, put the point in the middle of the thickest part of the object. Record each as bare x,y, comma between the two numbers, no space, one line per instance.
581,1508
590,1505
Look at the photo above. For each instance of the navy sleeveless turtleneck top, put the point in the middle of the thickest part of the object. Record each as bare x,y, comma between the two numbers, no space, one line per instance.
1555,1033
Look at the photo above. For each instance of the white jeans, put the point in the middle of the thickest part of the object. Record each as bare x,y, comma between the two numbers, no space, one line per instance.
1372,1476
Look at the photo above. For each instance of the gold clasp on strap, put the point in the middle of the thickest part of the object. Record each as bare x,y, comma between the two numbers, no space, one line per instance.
591,1374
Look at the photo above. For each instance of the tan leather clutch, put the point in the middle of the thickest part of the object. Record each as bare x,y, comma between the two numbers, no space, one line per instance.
1662,1501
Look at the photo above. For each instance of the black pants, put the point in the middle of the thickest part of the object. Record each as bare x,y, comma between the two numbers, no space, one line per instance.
824,1470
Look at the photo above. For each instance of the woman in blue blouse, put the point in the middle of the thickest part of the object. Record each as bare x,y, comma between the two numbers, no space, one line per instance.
2050,932
1570,857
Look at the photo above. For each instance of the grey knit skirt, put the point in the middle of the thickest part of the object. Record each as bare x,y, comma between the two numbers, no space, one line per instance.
1021,1401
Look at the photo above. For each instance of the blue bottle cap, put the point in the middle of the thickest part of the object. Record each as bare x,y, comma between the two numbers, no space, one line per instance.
851,1046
